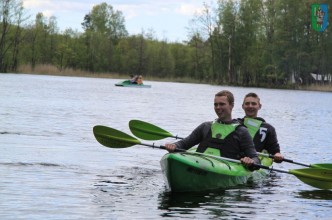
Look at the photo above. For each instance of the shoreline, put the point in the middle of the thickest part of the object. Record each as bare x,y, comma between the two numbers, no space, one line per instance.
54,71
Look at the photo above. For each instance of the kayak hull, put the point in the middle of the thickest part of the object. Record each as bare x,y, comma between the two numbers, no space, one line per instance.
185,172
127,83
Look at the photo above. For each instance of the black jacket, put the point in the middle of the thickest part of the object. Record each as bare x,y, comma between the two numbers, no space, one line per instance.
266,138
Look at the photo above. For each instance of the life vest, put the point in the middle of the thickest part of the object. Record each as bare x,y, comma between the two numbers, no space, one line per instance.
256,131
253,125
220,141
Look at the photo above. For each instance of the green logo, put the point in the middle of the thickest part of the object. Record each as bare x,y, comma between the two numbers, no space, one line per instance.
319,17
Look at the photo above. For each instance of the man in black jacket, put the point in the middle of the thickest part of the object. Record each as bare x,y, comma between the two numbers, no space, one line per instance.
262,133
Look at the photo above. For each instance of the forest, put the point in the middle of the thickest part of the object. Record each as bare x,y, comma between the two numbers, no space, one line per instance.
265,43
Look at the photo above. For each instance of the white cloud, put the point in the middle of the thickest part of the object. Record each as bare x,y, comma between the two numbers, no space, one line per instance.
170,16
58,6
131,11
30,4
188,9
48,13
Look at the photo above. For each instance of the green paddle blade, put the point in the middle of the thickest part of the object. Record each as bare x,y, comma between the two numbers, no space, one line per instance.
147,131
112,138
322,165
315,177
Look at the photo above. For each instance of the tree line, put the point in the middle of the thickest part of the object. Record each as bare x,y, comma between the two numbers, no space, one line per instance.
243,42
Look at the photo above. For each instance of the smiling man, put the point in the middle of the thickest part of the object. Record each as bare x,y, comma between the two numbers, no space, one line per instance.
262,133
224,136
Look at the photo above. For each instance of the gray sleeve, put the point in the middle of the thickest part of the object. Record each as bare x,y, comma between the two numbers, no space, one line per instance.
198,134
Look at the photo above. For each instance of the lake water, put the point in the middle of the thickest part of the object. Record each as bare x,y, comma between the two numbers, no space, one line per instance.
51,166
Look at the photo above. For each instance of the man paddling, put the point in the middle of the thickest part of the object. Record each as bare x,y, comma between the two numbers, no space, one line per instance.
262,133
224,136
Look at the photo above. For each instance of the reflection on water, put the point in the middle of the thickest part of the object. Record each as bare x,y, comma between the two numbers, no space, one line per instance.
316,194
52,167
214,204
169,200
234,203
189,204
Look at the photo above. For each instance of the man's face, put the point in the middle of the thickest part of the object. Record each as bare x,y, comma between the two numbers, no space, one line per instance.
222,108
251,106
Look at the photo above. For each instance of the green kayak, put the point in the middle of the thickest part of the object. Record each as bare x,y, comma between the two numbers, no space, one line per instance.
186,172
127,83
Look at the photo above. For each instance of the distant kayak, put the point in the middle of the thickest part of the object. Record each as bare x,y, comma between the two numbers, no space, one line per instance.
127,83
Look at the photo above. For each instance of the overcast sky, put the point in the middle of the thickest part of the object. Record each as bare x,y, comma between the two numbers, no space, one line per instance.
168,18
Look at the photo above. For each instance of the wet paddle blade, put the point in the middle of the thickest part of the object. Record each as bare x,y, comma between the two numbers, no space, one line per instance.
322,165
315,177
147,131
112,138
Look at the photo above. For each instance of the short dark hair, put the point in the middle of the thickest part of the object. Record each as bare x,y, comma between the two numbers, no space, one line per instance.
252,94
228,94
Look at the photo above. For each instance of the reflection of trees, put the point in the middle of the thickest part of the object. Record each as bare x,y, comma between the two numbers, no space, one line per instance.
316,194
219,203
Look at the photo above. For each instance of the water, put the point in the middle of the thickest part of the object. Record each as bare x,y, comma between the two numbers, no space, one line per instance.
51,166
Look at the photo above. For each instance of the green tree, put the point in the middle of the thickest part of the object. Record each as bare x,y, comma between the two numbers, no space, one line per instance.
104,27
11,19
36,40
199,58
249,38
203,26
226,35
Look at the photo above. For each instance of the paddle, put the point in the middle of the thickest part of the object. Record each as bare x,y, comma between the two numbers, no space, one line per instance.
110,137
148,131
317,165
113,138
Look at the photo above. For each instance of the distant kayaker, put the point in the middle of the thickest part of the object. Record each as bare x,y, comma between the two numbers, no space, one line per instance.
137,79
133,79
140,80
224,136
263,134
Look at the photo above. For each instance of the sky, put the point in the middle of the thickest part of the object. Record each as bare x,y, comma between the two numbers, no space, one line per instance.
169,19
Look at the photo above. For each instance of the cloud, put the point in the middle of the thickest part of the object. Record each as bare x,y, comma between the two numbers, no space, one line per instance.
35,3
188,9
129,8
129,11
163,17
55,7
132,9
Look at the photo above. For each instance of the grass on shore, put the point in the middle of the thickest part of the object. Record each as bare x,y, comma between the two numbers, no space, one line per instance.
318,87
46,69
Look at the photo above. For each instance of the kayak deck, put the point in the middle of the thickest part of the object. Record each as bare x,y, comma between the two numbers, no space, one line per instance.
185,172
127,83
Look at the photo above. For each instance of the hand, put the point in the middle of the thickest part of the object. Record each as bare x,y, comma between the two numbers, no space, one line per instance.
278,158
170,147
247,161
